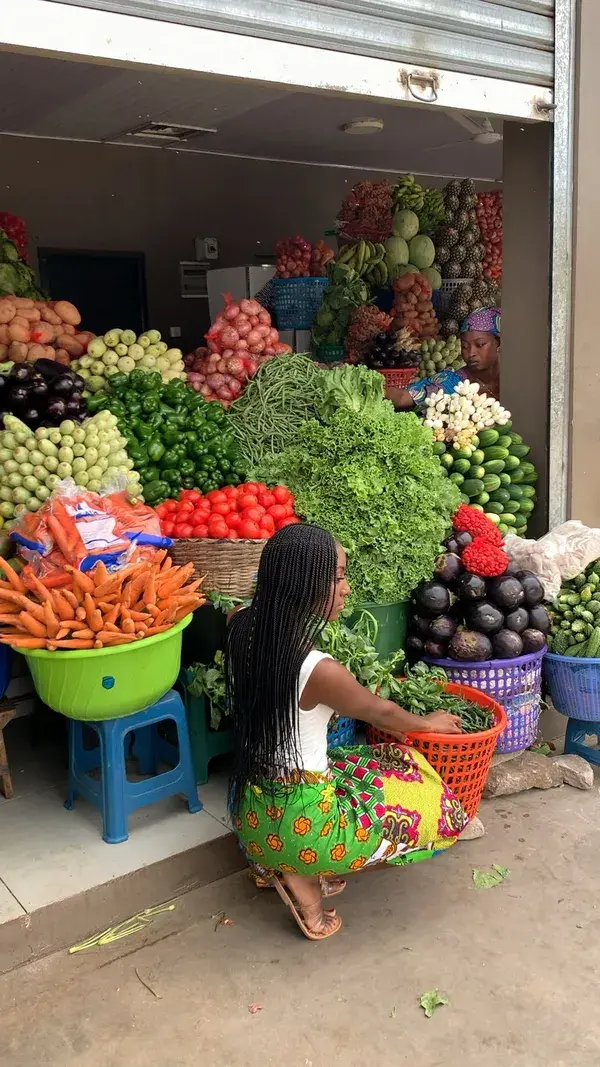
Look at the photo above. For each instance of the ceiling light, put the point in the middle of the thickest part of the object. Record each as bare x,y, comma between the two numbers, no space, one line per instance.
363,126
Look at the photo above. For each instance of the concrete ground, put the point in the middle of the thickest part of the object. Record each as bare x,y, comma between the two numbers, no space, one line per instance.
519,964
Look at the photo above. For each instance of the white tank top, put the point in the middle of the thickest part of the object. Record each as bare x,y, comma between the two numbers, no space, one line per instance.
312,725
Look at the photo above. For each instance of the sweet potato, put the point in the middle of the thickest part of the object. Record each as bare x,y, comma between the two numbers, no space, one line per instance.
7,311
18,332
68,312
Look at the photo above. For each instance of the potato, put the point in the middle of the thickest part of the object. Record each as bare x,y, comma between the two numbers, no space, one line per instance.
49,352
21,301
17,332
3,353
7,311
70,345
31,314
67,329
62,357
42,333
48,315
68,312
4,338
84,337
36,352
17,352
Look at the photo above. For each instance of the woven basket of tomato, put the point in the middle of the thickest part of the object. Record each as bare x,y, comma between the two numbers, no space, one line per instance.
223,533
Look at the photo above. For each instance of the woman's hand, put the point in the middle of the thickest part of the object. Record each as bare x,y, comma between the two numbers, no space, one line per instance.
442,722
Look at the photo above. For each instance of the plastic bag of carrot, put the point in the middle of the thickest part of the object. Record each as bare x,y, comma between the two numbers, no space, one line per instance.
97,609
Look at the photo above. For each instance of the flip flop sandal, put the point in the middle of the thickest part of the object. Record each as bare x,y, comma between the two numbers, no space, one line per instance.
296,910
328,888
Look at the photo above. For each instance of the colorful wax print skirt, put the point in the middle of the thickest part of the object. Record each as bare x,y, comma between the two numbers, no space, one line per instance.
380,804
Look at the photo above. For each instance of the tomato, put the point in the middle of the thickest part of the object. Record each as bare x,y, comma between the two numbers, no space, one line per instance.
267,522
199,518
281,494
261,488
230,491
289,511
233,535
216,496
247,500
267,500
169,505
278,512
233,520
248,529
217,533
250,487
183,529
201,531
185,506
162,511
221,509
254,514
287,522
167,528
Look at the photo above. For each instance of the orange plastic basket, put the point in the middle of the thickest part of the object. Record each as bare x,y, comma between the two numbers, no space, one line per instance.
399,379
461,760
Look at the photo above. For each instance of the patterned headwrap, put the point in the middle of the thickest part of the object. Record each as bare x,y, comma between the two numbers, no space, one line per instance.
487,320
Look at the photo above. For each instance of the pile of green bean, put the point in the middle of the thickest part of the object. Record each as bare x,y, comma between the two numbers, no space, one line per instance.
267,416
420,693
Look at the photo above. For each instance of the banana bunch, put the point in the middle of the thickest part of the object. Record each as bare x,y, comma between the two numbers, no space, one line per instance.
367,259
408,194
433,212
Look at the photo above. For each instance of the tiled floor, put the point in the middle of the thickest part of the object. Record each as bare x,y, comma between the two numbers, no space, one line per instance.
48,854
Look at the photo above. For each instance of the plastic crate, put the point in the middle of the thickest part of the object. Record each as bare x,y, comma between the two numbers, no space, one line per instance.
574,685
341,732
445,294
514,683
297,301
330,354
399,379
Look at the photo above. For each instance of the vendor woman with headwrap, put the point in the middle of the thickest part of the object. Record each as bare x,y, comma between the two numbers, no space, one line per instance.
480,339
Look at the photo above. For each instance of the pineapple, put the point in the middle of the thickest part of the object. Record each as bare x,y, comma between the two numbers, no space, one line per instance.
454,269
459,252
449,235
462,220
443,253
470,268
469,239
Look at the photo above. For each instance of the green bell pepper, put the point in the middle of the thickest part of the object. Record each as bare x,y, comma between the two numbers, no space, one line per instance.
156,449
151,474
118,383
142,430
170,460
155,492
150,402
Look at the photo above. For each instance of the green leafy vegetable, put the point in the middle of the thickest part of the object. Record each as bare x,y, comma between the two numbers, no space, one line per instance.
370,477
354,388
209,681
432,1000
489,879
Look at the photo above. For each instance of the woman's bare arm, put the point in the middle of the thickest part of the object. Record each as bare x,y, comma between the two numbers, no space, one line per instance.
331,684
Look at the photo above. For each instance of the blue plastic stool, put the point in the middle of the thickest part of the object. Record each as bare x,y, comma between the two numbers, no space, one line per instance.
575,739
113,794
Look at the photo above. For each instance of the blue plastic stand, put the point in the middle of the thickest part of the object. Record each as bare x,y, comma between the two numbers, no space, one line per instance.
575,739
113,794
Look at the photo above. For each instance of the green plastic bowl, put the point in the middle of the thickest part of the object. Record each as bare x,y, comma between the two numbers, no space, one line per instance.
108,683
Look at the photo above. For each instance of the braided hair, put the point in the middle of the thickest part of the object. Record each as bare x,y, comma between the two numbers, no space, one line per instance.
267,644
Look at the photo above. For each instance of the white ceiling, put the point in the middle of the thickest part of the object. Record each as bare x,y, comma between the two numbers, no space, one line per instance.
82,101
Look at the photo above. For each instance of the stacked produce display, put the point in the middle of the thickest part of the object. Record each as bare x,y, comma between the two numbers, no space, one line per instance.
40,329
409,250
389,350
413,308
298,258
249,512
16,276
346,291
42,393
575,615
478,606
489,218
439,355
367,210
458,242
121,352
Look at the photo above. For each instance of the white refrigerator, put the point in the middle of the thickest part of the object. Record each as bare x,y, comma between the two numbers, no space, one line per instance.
241,282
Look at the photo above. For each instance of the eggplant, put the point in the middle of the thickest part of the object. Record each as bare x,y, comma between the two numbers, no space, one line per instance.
22,372
442,628
512,570
435,649
414,647
469,645
507,645
62,386
506,592
420,625
75,408
533,640
31,417
56,409
517,620
470,587
39,388
3,381
49,368
463,539
432,598
447,567
19,395
534,590
452,545
484,617
539,619
78,382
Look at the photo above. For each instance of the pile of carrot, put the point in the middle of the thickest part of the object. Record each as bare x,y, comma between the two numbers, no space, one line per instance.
97,609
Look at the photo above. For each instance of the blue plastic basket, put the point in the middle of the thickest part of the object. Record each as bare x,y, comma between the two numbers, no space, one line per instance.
341,732
574,685
514,683
297,301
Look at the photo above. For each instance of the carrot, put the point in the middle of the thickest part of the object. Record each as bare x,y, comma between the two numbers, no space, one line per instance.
11,576
35,628
108,638
80,613
112,628
82,580
150,590
70,597
7,608
167,615
9,620
25,604
134,588
128,626
84,634
112,615
60,536
90,607
62,607
36,586
72,643
167,564
19,641
100,574
52,624
104,606
157,630
96,621
140,616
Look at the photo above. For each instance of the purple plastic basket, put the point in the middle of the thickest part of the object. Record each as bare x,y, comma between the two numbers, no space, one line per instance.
574,685
514,683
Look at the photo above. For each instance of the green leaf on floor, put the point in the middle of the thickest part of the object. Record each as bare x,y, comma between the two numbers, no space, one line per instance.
489,879
432,1000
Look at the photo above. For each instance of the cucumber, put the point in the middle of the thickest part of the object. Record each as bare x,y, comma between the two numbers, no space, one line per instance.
438,448
493,517
446,460
503,528
464,499
462,453
457,478
493,466
520,521
527,467
477,507
504,441
491,482
461,466
516,438
507,427
528,491
530,479
496,452
517,476
476,472
508,518
512,463
512,530
483,498
502,496
505,480
488,437
526,506
520,451
515,492
494,508
478,457
473,487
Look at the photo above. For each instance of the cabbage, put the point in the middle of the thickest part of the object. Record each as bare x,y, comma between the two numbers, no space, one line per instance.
422,251
396,252
433,276
405,224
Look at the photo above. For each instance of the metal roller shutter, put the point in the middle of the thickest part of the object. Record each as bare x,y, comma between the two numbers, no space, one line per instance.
508,39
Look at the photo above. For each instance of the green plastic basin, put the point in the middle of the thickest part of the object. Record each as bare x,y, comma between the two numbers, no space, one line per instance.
108,683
